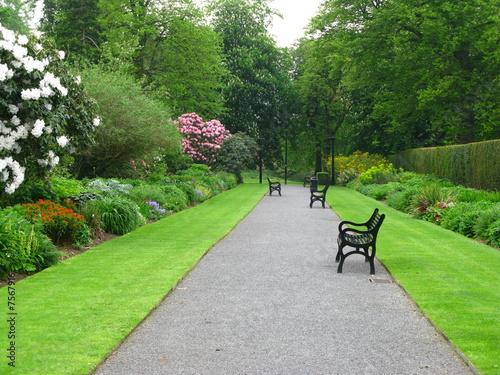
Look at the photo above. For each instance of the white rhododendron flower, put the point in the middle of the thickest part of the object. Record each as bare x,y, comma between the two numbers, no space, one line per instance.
37,130
5,72
62,140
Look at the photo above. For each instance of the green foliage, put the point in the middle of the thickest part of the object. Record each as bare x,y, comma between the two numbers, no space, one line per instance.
108,187
23,247
65,187
408,75
380,174
432,200
259,88
463,217
118,215
488,219
236,154
176,200
134,126
473,165
75,27
28,193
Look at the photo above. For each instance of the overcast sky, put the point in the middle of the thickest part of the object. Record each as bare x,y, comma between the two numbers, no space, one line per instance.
296,16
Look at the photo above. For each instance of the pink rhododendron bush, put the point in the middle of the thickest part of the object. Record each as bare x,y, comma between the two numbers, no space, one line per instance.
44,111
201,140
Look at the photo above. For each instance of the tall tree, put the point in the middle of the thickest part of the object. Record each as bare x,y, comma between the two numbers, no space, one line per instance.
423,73
168,46
75,26
259,87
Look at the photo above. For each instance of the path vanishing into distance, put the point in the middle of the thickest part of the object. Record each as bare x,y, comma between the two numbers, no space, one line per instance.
267,299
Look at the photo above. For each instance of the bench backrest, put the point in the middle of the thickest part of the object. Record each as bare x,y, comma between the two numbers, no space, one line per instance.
377,222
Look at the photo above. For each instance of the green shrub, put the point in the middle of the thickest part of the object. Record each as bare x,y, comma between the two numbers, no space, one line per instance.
493,234
23,247
146,192
108,187
484,222
357,162
403,200
133,127
177,200
463,217
65,187
474,195
118,215
28,193
382,191
343,178
380,174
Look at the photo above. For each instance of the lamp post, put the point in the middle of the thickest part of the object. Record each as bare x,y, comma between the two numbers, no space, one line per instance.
261,140
332,139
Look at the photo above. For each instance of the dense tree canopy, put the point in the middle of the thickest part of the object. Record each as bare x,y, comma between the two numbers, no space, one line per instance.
413,73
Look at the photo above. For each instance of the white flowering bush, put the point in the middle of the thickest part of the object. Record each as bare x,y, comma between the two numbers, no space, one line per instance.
45,112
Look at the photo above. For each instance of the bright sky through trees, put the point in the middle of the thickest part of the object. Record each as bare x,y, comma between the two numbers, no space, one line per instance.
296,16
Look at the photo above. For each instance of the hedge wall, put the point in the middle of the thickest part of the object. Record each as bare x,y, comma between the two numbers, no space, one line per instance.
475,165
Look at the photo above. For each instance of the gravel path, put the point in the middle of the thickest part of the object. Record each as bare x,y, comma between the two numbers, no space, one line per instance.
267,299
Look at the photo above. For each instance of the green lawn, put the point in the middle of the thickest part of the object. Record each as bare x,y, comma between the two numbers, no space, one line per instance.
70,316
454,280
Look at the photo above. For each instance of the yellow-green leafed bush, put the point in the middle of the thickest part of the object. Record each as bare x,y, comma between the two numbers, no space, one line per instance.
348,168
380,174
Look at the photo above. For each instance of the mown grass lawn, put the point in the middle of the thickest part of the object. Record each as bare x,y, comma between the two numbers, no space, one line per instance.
454,280
70,316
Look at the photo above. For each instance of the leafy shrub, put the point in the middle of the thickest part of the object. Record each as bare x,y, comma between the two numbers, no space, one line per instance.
358,162
61,224
380,174
323,178
227,180
474,195
463,217
134,126
176,199
29,193
493,234
118,215
403,200
146,192
108,187
345,177
65,187
484,222
382,191
431,200
237,153
23,247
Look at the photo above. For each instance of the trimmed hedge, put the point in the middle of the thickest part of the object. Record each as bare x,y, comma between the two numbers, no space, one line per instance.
475,165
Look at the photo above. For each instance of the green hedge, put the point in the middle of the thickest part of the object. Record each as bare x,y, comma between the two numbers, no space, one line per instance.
475,165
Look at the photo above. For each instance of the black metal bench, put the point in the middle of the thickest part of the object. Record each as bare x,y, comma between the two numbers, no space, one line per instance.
274,186
318,195
361,240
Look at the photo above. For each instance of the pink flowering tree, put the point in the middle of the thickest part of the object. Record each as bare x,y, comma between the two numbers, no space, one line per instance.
201,140
44,111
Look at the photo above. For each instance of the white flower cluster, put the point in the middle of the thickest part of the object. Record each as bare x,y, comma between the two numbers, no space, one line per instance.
11,169
52,160
12,127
